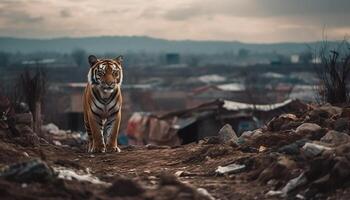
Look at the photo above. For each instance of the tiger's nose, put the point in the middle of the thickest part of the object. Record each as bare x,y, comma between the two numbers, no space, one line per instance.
110,83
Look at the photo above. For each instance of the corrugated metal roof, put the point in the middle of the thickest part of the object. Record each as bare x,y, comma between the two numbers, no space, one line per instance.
236,106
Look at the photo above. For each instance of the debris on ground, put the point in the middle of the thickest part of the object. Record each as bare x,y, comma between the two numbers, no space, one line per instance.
232,168
302,155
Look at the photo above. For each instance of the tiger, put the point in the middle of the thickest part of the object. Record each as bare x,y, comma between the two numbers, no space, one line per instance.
102,102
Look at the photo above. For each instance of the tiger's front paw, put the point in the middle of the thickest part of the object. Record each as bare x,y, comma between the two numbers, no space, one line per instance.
98,148
113,148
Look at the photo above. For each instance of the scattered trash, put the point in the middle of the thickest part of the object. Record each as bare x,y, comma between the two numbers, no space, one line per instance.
50,128
262,149
69,174
205,193
293,184
289,187
232,168
184,173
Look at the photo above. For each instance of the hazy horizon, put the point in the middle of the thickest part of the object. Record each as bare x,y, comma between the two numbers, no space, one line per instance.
173,40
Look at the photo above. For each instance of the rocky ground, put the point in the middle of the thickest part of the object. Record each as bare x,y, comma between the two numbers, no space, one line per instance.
304,155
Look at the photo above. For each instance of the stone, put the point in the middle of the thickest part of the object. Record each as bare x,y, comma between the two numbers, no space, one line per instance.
308,128
311,149
276,123
332,110
123,187
341,124
293,148
27,172
335,138
227,134
345,113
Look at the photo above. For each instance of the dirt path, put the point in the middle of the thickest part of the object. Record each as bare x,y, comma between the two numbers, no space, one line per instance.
147,165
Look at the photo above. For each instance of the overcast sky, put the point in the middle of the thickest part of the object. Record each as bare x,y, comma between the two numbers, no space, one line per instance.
243,20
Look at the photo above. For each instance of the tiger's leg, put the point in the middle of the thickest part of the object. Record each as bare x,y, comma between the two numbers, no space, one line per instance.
112,131
98,144
89,133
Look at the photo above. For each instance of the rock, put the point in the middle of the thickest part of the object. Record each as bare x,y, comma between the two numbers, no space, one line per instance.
308,128
276,123
331,110
274,171
227,134
248,134
30,171
311,150
171,188
286,162
335,138
345,113
123,187
210,140
294,148
341,124
229,169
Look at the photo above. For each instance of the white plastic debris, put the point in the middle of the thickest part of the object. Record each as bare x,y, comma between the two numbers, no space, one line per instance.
232,168
57,143
179,173
205,193
273,193
50,128
290,186
69,174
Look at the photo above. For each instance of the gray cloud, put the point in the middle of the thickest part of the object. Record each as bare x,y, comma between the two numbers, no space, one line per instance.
14,12
19,17
320,11
246,20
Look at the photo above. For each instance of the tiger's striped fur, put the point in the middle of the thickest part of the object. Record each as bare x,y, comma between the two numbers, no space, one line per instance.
102,102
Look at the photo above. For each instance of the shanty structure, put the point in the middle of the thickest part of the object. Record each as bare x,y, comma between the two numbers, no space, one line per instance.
190,125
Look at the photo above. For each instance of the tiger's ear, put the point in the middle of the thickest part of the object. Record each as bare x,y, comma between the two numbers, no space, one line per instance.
92,60
119,59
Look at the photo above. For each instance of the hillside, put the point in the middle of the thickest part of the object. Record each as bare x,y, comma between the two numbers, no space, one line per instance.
123,44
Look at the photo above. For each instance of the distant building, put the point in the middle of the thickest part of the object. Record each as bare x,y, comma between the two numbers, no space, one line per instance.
172,58
294,59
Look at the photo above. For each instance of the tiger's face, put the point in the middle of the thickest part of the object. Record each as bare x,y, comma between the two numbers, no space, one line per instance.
105,74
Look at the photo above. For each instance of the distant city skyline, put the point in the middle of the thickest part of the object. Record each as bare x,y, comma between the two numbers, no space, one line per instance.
257,21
